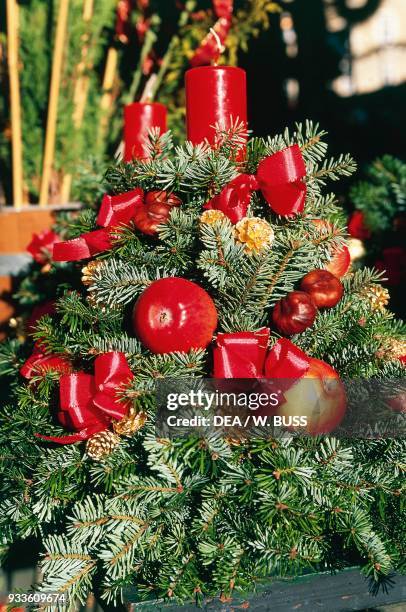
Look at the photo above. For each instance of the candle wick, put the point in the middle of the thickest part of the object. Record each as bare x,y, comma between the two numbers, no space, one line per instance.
220,47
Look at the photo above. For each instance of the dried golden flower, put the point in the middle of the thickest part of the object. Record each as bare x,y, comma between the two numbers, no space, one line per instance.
209,217
378,297
255,233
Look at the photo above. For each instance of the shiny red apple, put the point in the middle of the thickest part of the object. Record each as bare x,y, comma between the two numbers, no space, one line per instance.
319,396
154,211
325,289
174,314
294,313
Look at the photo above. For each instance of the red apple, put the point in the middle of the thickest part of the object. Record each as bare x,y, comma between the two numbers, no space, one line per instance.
325,289
398,403
294,313
319,396
340,257
340,262
174,314
154,211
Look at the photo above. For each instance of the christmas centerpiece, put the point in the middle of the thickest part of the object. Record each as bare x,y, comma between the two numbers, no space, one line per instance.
219,258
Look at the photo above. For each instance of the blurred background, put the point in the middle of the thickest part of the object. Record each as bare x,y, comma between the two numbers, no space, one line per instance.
341,62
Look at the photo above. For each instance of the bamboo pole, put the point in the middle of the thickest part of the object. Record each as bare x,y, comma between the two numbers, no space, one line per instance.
15,103
49,150
80,91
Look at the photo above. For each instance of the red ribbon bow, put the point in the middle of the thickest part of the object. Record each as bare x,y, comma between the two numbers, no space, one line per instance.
234,199
114,211
39,363
243,355
87,402
41,245
279,177
240,354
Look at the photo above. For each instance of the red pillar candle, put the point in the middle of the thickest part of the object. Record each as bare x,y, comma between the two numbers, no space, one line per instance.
213,95
139,118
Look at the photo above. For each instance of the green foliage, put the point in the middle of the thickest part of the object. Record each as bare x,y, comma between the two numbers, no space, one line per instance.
192,517
35,58
86,41
382,196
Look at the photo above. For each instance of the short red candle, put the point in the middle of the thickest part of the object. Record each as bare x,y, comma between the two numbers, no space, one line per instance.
139,118
213,95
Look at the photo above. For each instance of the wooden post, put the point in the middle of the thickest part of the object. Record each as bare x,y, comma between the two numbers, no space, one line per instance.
15,104
49,150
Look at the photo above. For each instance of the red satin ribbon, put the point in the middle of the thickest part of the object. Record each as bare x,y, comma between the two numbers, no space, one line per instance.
40,363
114,211
87,245
286,360
87,402
279,177
243,355
234,199
119,209
41,245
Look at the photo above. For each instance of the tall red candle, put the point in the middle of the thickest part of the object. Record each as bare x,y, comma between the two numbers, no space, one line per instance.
139,118
214,94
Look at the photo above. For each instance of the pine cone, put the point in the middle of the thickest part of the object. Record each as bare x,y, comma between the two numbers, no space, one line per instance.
378,297
91,299
392,349
397,348
130,424
88,271
102,444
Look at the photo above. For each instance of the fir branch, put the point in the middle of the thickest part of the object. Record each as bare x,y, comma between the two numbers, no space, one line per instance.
330,169
115,283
